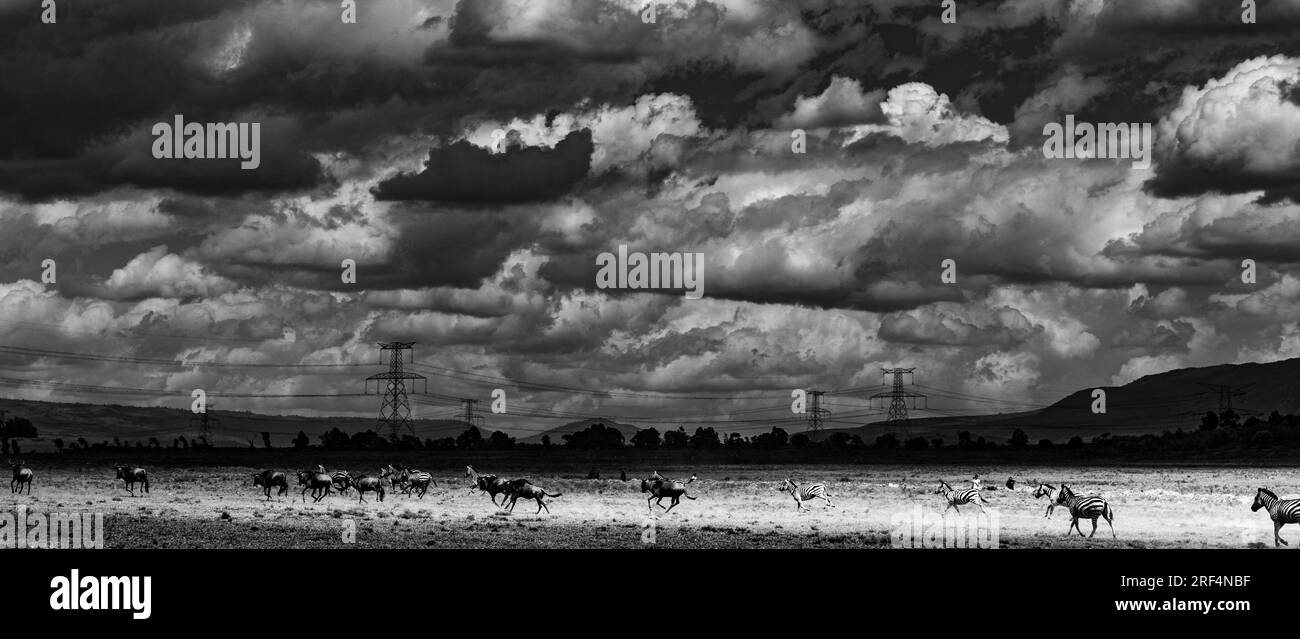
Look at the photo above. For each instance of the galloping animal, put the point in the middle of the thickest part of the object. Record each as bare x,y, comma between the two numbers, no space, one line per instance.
517,488
317,482
659,487
805,493
268,479
22,475
132,475
490,484
956,498
367,484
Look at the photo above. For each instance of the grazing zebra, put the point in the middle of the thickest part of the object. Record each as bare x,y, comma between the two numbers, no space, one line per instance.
341,481
1281,511
517,488
806,493
1090,506
365,484
956,498
131,475
271,478
22,475
490,484
659,487
418,481
318,483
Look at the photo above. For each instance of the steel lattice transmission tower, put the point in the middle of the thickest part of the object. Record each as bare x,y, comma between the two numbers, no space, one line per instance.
206,423
897,419
816,415
1225,392
470,418
395,411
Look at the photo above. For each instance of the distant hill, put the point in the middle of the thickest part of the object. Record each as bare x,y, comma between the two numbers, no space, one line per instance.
557,434
101,422
1151,404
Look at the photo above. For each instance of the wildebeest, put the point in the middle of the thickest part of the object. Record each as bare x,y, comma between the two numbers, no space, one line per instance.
268,479
131,475
490,484
659,487
318,483
517,488
22,475
365,484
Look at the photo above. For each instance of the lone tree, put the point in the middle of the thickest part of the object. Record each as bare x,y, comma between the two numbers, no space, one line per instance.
646,438
301,442
1019,439
266,439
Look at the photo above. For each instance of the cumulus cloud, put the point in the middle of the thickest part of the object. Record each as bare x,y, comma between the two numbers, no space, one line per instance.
843,103
160,273
919,114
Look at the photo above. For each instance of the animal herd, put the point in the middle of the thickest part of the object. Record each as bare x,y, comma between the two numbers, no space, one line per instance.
416,483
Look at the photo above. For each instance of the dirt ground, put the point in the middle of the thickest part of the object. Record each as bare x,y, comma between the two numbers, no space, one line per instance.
736,507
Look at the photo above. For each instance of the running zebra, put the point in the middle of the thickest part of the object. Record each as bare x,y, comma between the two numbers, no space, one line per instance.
396,477
366,484
418,481
956,498
131,475
268,479
1281,511
805,493
1090,506
341,480
317,482
22,475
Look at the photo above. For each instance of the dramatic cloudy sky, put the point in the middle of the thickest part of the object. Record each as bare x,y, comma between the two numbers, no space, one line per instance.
923,144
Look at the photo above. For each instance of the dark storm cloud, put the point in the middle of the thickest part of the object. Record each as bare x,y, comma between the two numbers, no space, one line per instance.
466,174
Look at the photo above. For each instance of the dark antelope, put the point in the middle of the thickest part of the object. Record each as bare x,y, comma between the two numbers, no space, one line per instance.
367,484
269,479
1281,511
490,484
22,475
317,482
131,475
659,487
1091,507
805,493
517,488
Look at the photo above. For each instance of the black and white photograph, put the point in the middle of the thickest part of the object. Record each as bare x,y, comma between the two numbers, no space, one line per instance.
446,278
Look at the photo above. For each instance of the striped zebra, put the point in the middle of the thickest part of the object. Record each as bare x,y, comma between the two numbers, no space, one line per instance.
1090,506
956,498
805,493
22,475
366,484
1281,511
396,476
1051,493
341,481
131,475
268,479
418,481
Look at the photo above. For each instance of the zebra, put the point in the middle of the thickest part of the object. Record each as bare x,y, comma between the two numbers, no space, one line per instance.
1090,506
396,477
418,480
1281,511
517,488
271,478
659,487
490,484
365,484
956,498
806,493
341,481
1051,493
22,475
131,475
318,483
